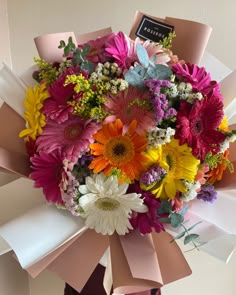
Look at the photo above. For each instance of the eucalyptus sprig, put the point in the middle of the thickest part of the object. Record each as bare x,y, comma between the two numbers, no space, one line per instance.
176,219
147,69
78,55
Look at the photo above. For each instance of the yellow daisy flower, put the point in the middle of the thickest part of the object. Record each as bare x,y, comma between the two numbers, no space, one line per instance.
34,118
179,164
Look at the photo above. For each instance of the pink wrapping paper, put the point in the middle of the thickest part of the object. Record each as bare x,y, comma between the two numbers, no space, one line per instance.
152,268
193,35
47,45
13,156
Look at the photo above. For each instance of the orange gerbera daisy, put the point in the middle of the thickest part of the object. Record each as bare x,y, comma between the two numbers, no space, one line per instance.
217,173
115,149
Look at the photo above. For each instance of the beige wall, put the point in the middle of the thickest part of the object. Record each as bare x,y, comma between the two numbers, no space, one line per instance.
30,18
5,53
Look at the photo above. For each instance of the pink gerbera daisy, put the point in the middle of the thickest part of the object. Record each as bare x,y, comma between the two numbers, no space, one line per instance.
130,105
117,47
197,125
72,137
152,48
47,174
56,107
197,77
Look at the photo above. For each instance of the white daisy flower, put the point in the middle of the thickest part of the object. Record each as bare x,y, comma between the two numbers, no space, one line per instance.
107,208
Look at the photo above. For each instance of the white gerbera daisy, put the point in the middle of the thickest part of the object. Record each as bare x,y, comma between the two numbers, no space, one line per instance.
107,208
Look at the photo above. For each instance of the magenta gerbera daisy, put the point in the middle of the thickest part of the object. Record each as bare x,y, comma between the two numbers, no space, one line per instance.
117,48
148,221
47,174
72,137
56,107
130,105
197,77
197,125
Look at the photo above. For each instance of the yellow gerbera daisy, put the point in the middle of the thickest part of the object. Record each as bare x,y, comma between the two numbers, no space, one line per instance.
34,118
179,164
115,149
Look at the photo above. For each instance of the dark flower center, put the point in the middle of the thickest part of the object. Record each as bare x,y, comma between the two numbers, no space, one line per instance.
72,132
197,127
119,149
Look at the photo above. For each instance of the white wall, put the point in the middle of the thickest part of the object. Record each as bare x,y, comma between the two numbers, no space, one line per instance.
30,18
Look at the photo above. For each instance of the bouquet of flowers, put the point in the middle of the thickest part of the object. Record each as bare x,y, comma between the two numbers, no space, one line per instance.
123,135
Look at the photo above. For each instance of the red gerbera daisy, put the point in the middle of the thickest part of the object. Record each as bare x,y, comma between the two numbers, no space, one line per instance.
197,125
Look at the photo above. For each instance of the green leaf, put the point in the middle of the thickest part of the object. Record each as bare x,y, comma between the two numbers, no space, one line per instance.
179,236
71,43
85,50
87,66
139,70
67,51
159,72
164,219
190,238
165,207
184,210
142,55
77,58
62,44
176,219
193,226
134,79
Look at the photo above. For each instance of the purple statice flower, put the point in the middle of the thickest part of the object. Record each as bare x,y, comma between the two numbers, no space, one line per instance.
146,222
81,170
207,193
161,107
154,174
155,85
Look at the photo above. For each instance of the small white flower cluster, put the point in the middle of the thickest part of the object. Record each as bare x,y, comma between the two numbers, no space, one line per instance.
191,190
225,144
159,136
185,92
69,188
108,73
171,91
65,64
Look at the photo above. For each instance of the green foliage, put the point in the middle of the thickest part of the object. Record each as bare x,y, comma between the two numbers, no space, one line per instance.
214,160
146,70
142,55
164,208
47,72
167,41
78,55
176,219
